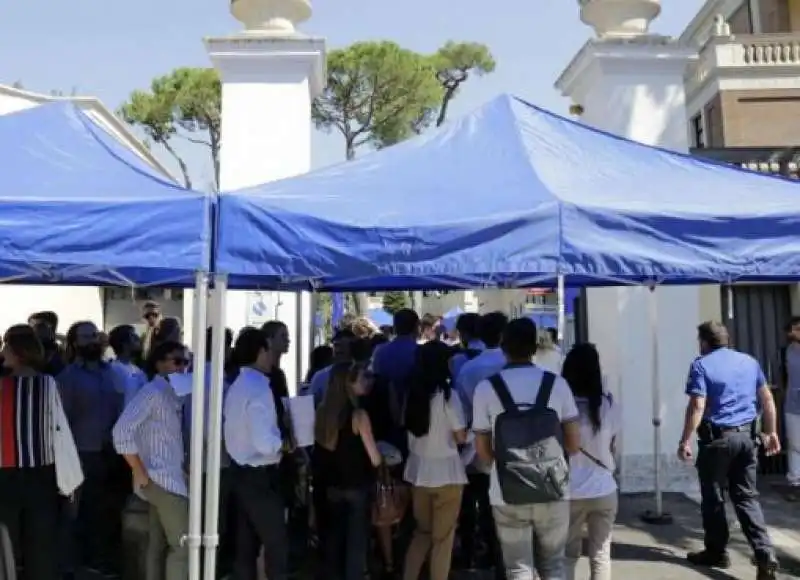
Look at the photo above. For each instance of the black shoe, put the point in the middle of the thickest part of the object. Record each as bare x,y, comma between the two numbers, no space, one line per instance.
709,559
767,570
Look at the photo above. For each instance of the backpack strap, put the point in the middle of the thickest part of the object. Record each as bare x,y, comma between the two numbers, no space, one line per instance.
501,389
545,390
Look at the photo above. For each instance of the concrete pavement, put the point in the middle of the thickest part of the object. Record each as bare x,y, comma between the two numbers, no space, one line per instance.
658,552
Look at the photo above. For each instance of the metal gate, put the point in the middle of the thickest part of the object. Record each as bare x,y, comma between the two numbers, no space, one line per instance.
760,313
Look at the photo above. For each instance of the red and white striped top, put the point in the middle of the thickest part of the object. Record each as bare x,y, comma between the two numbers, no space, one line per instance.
26,422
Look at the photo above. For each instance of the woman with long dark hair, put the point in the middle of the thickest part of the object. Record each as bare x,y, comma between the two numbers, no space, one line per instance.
345,459
435,421
593,487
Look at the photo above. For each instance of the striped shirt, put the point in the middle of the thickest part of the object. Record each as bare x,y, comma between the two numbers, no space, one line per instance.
151,427
26,422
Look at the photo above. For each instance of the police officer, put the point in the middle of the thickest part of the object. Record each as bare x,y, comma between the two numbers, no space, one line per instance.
725,389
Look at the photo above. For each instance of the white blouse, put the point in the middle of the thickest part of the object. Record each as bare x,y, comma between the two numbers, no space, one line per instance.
433,460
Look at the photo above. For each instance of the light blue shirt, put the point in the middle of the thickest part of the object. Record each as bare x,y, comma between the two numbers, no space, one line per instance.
319,382
133,379
491,361
250,421
150,427
729,381
460,358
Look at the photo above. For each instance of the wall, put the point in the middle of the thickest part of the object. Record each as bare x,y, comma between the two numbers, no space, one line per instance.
761,118
775,16
794,15
71,303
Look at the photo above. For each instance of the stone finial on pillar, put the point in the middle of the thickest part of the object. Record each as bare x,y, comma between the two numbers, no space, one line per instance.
721,26
277,17
619,18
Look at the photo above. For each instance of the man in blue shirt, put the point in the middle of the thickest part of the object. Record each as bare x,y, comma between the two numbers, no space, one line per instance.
726,388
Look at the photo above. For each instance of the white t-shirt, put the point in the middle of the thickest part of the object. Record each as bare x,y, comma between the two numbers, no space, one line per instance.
587,480
523,384
433,460
550,359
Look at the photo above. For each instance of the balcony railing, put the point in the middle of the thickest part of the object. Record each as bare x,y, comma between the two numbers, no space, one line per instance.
783,161
750,54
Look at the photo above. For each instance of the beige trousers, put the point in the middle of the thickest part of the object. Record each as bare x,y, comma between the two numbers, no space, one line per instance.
436,513
598,516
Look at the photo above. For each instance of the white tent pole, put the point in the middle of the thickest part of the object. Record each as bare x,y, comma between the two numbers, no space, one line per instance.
657,516
210,537
729,292
194,538
562,320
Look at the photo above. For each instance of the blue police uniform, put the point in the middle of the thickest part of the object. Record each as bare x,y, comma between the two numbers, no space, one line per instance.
726,462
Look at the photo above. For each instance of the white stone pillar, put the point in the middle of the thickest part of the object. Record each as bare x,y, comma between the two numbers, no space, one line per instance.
632,85
270,74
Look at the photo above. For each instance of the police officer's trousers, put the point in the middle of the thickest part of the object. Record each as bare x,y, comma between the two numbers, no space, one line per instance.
727,466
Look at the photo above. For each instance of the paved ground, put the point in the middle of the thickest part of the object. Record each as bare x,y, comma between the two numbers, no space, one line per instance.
658,552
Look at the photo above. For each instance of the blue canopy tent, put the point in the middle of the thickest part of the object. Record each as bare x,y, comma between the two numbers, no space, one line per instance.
78,207
511,195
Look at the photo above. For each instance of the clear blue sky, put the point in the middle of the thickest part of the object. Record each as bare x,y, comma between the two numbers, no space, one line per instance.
109,48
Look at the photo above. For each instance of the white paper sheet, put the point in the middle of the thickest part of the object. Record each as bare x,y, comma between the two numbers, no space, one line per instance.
301,410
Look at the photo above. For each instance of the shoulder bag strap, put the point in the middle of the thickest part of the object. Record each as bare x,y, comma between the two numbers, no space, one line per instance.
594,459
501,388
545,390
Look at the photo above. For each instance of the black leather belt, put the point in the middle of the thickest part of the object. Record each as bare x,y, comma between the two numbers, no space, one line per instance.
718,430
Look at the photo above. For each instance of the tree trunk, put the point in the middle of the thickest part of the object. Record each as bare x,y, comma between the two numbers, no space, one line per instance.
446,98
350,154
187,180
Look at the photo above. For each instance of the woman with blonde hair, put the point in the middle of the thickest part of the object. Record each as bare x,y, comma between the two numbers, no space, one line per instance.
363,327
345,458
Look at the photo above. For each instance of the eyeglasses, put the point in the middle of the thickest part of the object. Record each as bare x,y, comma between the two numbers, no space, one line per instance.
149,315
180,361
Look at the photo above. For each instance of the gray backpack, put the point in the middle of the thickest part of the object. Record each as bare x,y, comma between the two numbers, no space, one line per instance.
531,464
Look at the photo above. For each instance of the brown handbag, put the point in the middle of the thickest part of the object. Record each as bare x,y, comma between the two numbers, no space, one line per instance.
391,499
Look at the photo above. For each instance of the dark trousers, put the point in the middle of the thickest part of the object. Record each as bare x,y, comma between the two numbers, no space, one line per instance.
476,527
97,525
261,521
727,466
228,512
29,509
348,541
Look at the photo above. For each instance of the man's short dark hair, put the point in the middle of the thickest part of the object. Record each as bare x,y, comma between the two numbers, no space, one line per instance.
467,324
520,339
490,328
47,316
248,345
553,333
272,327
713,333
405,322
793,321
119,337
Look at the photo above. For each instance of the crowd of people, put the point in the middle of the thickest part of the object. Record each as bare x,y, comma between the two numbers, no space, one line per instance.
484,448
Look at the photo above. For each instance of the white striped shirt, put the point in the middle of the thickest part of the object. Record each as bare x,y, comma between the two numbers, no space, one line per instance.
151,427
